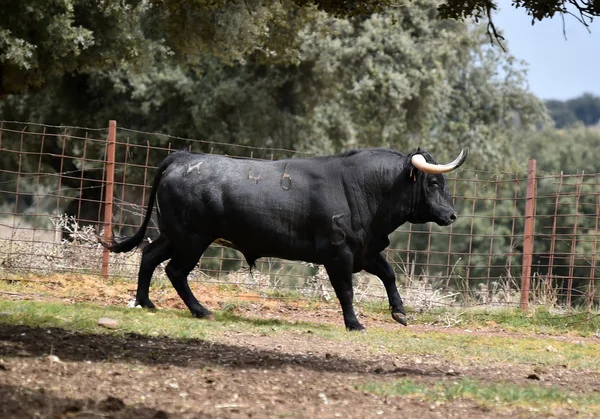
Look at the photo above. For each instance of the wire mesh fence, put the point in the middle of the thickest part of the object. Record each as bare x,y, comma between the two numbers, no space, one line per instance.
520,237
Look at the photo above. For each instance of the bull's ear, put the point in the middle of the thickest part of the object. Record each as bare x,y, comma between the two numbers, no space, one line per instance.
419,149
412,173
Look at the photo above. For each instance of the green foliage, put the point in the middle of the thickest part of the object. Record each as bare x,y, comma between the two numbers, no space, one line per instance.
46,39
231,30
495,394
400,79
585,108
569,150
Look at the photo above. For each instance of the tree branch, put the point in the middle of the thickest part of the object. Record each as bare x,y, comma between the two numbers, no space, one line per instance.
491,26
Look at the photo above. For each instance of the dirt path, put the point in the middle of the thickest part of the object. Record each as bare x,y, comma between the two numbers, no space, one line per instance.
50,372
238,375
254,377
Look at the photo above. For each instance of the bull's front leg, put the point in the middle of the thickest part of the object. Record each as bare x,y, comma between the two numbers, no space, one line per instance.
381,268
340,275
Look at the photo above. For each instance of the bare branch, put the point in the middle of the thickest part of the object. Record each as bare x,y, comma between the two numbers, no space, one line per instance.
491,26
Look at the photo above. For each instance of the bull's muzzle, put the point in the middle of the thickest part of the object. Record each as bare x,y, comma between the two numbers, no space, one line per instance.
446,222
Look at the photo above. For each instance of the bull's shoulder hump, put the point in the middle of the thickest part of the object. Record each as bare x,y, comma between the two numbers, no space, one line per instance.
363,152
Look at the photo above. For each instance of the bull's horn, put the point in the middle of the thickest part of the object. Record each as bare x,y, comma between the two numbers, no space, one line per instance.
419,162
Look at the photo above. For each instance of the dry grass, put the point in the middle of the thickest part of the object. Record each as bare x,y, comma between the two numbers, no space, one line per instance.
23,254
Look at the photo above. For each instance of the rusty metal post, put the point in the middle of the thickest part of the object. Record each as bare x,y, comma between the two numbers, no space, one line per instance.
108,192
528,234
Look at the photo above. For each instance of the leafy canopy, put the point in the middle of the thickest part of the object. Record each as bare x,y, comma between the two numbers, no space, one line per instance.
399,79
41,39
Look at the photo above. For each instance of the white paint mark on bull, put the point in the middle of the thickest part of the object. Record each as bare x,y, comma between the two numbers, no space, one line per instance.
286,180
253,177
337,234
192,167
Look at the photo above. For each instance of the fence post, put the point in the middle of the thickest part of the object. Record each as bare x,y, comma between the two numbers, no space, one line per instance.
108,192
528,234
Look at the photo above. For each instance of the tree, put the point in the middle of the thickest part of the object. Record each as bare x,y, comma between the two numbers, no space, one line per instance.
47,39
561,114
585,108
401,79
420,81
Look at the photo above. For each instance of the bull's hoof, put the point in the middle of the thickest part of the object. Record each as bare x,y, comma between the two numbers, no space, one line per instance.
142,304
400,318
149,305
356,328
204,316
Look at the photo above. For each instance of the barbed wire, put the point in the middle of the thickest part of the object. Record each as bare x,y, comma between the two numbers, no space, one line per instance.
59,174
274,149
37,124
515,174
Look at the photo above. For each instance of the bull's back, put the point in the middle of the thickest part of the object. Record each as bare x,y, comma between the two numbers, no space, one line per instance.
264,208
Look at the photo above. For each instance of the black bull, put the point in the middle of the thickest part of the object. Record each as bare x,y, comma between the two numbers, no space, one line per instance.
337,211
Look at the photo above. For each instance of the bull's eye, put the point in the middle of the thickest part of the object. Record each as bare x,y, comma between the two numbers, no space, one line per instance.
434,183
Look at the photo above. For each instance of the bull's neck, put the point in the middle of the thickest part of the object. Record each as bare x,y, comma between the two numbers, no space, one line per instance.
398,203
387,198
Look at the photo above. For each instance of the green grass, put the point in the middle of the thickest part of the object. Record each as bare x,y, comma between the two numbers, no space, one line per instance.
164,322
494,395
84,318
474,348
464,348
460,348
537,320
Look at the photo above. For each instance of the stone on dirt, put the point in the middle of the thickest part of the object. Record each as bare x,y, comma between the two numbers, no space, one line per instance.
53,359
108,323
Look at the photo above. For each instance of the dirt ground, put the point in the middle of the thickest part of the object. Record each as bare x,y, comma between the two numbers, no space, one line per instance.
50,372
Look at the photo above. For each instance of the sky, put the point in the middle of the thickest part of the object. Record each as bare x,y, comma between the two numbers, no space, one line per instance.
557,68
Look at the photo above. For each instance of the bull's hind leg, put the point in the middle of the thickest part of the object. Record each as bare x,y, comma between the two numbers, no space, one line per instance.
381,268
156,252
184,259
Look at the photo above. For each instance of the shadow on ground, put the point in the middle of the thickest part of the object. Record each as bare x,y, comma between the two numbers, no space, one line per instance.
20,402
26,341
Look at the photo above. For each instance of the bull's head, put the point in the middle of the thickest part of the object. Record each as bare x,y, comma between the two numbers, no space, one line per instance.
433,200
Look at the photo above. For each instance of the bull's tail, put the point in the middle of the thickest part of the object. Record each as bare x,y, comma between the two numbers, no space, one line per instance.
130,243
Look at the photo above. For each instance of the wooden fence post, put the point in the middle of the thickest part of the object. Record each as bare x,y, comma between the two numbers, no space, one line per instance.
108,192
528,234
